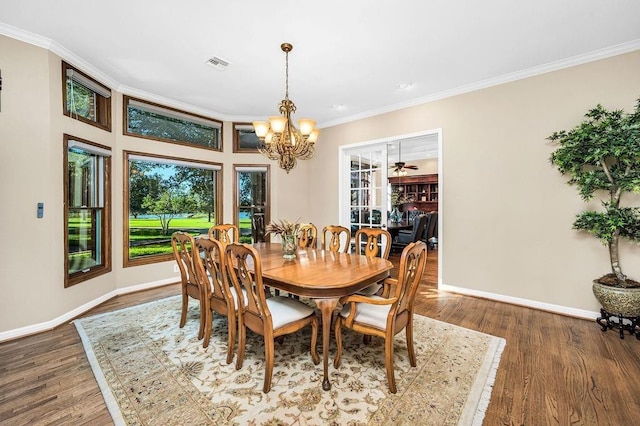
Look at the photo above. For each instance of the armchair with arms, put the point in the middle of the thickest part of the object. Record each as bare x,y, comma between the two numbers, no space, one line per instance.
385,316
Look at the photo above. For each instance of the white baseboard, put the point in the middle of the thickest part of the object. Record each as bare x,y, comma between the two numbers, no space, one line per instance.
48,325
563,310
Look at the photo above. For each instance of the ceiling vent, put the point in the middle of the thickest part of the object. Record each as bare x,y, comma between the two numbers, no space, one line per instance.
217,63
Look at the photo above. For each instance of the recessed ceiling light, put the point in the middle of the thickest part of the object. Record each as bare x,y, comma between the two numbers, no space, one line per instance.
217,63
405,85
339,107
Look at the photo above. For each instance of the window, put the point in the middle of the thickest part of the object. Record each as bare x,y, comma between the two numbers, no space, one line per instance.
251,201
164,195
244,138
85,99
153,121
367,189
87,200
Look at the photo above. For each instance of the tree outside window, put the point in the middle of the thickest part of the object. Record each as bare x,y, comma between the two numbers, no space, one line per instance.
165,196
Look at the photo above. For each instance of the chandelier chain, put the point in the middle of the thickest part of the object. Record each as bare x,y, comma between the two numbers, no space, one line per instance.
286,74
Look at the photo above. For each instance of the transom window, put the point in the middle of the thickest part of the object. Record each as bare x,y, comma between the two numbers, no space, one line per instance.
87,200
244,138
85,99
165,195
153,121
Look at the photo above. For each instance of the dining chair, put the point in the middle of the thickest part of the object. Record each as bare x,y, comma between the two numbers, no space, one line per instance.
307,235
372,242
226,233
420,223
183,246
218,297
269,317
336,238
386,315
431,231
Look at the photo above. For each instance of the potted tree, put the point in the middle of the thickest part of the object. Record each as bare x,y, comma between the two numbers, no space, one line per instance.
601,156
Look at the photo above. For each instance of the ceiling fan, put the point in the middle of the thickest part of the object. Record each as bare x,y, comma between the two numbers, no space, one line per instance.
400,168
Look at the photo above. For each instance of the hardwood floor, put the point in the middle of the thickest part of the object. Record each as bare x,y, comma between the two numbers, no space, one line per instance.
554,369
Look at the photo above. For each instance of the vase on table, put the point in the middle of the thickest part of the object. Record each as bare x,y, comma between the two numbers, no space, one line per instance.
396,215
289,246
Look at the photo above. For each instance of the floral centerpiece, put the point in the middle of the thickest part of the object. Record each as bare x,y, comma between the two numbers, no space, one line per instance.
288,232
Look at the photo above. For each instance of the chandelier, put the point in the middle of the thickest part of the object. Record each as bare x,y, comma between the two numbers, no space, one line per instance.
279,138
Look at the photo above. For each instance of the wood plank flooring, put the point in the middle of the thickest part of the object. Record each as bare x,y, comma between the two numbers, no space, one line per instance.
554,369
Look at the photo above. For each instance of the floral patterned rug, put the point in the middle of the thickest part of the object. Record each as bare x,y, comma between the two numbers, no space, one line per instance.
153,373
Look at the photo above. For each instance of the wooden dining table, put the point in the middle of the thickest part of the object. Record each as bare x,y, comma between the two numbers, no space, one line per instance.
322,276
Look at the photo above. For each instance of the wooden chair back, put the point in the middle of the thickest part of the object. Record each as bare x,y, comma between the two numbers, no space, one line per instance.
226,233
183,246
410,271
307,236
247,273
336,238
218,297
373,242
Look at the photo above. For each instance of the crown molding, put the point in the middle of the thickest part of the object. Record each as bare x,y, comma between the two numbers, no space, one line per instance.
595,55
25,36
77,61
151,97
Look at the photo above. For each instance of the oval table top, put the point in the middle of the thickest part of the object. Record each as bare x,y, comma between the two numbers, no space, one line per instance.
318,273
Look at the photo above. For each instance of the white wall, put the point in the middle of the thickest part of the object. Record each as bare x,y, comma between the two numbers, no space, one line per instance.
32,292
507,213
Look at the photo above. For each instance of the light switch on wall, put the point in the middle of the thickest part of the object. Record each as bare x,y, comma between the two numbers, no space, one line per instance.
40,210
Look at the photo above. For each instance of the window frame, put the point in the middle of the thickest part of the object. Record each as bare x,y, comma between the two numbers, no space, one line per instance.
102,105
125,124
267,206
106,230
157,258
237,148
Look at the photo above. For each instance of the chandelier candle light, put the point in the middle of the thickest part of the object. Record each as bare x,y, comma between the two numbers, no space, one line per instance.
279,138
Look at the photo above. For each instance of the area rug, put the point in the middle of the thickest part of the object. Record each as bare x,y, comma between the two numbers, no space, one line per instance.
151,372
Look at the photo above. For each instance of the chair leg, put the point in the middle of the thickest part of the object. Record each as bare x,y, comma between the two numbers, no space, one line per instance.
366,339
338,333
388,351
241,341
185,304
231,339
208,320
314,342
410,347
268,364
202,319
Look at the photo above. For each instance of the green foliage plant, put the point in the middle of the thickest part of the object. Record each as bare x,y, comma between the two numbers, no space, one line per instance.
601,156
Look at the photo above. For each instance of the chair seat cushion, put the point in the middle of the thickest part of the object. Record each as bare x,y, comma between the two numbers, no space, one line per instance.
285,310
373,315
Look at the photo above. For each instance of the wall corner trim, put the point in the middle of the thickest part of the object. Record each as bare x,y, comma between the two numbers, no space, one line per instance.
541,306
49,325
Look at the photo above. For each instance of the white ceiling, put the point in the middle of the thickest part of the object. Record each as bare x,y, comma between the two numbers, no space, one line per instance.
352,53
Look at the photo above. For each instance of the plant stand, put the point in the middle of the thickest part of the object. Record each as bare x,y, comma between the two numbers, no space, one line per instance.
608,320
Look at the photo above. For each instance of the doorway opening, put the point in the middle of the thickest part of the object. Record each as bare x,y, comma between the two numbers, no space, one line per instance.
368,168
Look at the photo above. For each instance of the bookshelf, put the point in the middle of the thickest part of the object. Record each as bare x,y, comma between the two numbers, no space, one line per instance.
420,190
